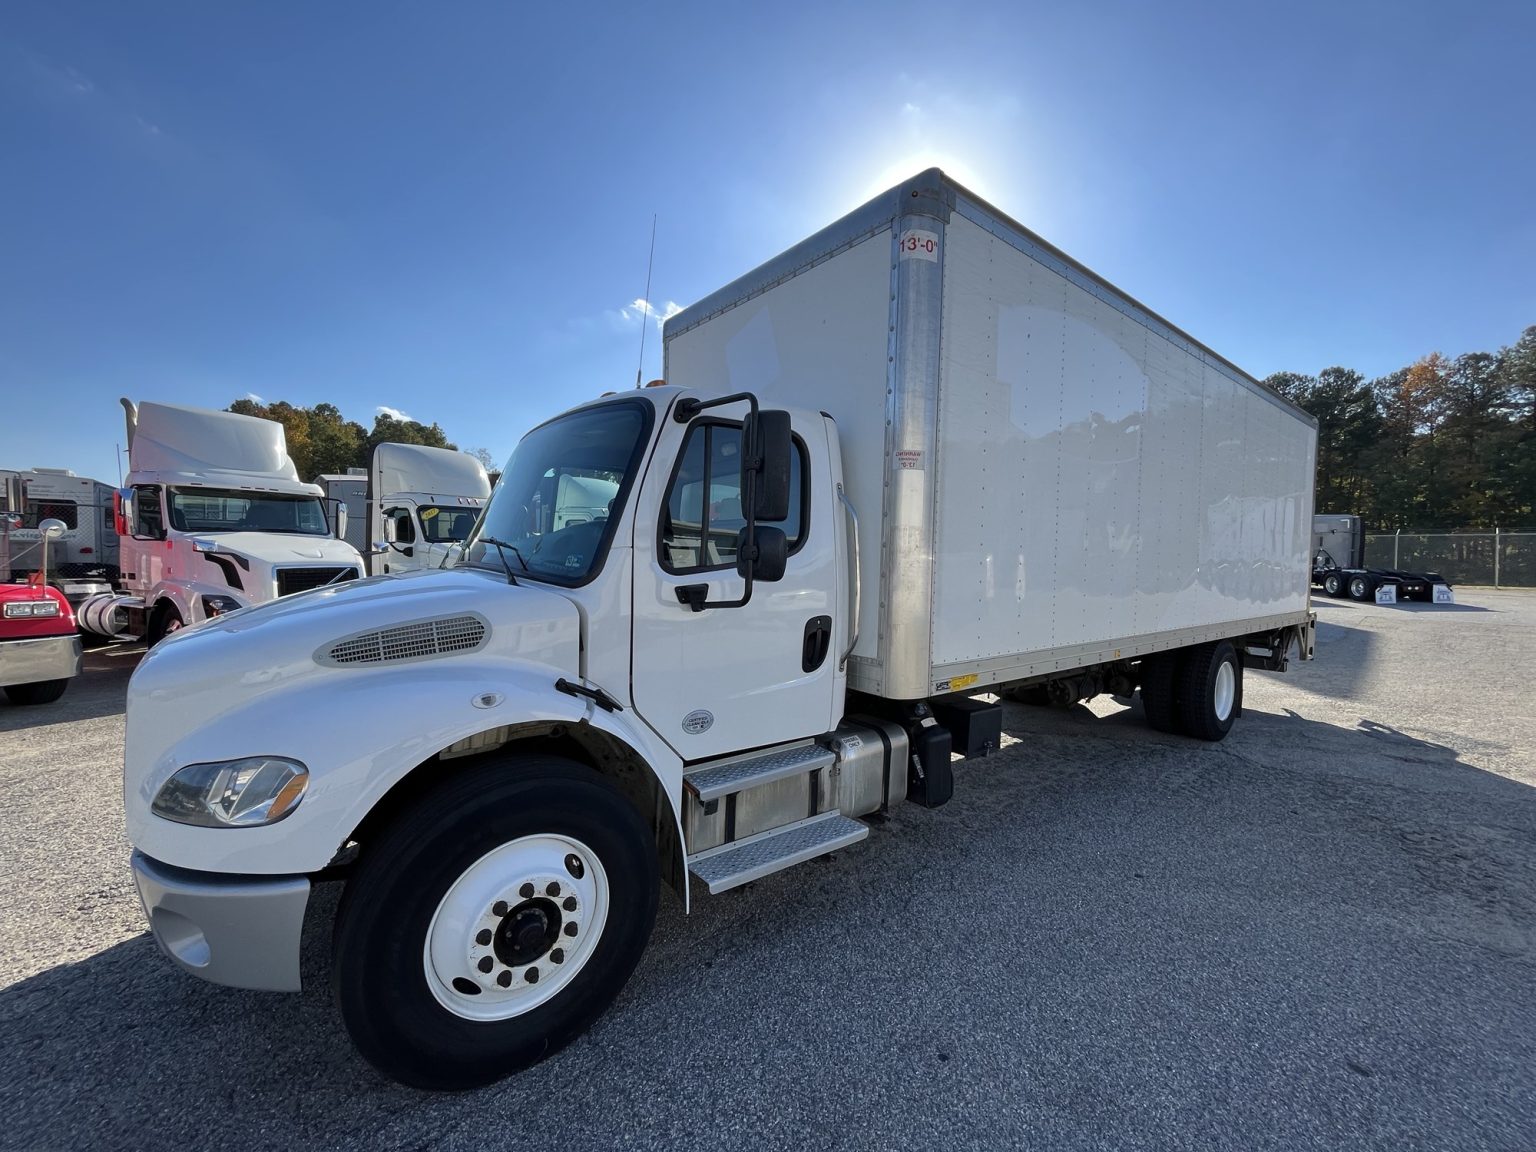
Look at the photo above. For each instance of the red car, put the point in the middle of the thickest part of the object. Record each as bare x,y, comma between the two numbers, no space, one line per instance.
39,647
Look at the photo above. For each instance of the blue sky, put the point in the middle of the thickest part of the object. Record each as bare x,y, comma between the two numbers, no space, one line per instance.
445,209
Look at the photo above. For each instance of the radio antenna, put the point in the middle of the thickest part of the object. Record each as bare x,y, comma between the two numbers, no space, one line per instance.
645,301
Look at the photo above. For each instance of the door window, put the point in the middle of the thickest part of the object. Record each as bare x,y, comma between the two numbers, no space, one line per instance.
147,520
703,511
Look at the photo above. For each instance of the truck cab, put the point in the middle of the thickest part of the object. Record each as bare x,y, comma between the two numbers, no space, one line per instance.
213,518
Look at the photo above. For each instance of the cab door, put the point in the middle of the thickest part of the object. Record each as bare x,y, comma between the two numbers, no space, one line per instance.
725,680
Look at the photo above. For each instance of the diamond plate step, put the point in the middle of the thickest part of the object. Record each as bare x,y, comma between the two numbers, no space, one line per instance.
731,865
716,780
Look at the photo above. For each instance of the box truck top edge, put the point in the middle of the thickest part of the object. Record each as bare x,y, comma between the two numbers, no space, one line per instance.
917,196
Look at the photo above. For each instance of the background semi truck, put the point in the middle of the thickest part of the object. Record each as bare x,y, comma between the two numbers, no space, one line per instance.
920,456
213,518
429,497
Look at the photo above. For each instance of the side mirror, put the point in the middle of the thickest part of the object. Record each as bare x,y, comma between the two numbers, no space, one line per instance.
389,530
341,521
764,558
767,442
122,511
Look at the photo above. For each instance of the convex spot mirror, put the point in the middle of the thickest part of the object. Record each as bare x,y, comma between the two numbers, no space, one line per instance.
765,558
767,440
53,529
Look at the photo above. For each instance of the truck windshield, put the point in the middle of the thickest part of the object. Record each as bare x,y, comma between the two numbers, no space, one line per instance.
216,510
560,497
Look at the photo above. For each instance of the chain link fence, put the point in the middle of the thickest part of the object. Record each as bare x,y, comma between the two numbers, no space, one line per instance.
1502,559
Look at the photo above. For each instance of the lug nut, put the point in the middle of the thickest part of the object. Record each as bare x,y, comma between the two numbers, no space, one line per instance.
532,975
552,890
570,928
558,955
486,964
504,979
569,904
574,866
499,908
526,891
483,937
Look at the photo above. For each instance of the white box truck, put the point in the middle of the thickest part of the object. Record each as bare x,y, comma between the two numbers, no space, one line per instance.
411,506
921,455
213,519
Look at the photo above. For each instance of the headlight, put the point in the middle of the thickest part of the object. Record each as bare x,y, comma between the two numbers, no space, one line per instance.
219,606
31,609
233,793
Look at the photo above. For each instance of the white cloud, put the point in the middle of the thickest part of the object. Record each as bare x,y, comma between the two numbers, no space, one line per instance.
254,398
393,413
630,316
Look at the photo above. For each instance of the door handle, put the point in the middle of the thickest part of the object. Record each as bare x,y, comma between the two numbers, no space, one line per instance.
818,639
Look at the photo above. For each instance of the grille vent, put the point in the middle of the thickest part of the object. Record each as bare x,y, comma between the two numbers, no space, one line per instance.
422,640
291,580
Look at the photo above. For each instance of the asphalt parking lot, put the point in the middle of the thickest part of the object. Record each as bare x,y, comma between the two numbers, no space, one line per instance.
1320,933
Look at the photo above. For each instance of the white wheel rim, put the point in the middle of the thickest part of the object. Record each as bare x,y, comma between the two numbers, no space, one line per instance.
1226,689
515,950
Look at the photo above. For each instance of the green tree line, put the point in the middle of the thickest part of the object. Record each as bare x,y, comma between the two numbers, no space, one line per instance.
1443,444
321,440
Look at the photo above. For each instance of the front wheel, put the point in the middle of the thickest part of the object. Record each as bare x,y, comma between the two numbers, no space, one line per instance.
39,692
166,621
493,922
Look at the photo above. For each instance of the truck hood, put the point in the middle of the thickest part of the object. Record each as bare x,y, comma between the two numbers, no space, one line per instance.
281,548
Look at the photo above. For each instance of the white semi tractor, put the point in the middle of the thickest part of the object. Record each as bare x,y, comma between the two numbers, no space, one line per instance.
412,506
920,457
213,519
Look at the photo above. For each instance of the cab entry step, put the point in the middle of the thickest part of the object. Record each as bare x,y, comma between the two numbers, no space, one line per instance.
732,865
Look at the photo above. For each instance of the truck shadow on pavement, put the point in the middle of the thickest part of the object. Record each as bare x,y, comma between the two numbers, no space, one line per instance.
1307,936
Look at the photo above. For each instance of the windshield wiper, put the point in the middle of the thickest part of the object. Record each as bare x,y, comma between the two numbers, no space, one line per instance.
499,545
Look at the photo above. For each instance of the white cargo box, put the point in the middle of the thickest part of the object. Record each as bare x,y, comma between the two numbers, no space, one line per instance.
1047,474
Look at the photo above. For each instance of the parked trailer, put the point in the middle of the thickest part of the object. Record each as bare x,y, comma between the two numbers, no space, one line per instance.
213,519
412,506
83,560
919,455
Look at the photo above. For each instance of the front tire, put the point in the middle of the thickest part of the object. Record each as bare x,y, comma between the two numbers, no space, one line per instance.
39,692
165,621
1210,690
439,992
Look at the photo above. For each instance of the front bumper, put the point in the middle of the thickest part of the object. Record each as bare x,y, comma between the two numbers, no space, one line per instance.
45,658
241,931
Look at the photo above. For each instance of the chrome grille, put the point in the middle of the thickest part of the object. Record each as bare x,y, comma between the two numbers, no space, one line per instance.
291,580
420,640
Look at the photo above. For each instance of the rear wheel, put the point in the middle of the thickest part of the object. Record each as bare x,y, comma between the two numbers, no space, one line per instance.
1159,690
1333,585
1361,588
39,692
1210,690
493,922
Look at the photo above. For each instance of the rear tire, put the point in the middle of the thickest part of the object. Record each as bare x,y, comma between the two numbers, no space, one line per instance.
406,984
1333,585
1210,690
39,692
1361,588
1159,690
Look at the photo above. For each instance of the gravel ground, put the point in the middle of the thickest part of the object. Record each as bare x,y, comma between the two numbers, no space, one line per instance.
1320,933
